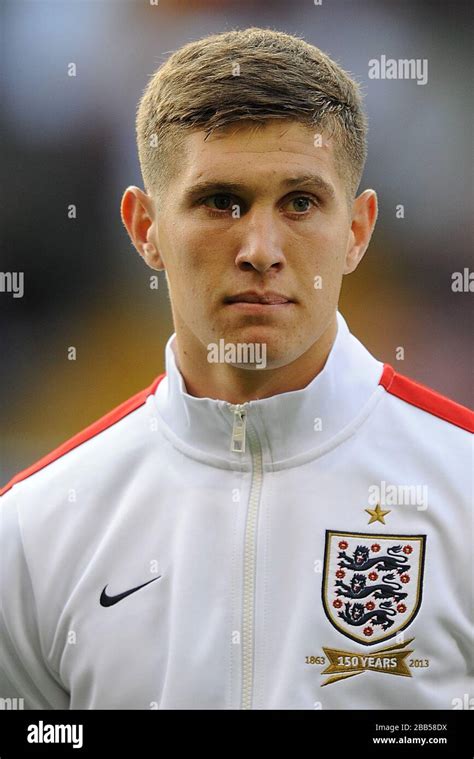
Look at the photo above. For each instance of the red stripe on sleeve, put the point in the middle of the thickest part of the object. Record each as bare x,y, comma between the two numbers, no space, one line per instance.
427,399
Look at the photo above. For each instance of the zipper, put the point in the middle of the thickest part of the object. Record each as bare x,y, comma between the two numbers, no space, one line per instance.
238,443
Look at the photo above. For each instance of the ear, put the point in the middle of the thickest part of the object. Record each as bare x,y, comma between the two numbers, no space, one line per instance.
364,217
138,216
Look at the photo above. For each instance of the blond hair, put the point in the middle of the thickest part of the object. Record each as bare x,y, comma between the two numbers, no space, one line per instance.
251,74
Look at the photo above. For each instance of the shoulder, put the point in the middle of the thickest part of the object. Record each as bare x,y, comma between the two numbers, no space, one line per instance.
113,420
433,405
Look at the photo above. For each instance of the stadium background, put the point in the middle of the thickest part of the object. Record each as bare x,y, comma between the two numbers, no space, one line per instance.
72,140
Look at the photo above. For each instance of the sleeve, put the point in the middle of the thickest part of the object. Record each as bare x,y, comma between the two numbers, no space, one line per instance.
26,679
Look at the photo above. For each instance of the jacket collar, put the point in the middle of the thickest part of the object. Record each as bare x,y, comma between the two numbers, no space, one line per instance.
291,427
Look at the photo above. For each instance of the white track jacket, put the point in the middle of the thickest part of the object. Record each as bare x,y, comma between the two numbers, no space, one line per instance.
311,550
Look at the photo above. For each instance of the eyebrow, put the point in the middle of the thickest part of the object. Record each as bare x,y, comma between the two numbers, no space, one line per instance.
304,180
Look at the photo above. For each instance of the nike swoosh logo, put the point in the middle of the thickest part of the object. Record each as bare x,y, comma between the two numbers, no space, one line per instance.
106,600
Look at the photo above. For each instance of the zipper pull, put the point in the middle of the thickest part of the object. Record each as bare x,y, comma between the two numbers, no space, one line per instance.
238,430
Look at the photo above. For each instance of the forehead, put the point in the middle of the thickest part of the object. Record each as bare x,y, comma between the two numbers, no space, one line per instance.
250,153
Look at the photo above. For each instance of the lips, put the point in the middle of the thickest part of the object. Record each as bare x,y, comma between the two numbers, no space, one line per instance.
268,298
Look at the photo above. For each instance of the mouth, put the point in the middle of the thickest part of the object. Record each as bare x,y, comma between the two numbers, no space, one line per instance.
255,301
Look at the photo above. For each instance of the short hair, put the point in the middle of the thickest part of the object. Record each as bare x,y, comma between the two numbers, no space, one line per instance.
248,75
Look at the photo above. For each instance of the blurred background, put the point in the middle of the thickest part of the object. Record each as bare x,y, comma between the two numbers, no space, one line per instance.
71,140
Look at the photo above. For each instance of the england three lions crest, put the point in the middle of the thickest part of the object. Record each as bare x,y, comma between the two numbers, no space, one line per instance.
372,584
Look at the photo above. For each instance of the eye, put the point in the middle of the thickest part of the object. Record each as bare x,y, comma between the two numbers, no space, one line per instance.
302,203
221,202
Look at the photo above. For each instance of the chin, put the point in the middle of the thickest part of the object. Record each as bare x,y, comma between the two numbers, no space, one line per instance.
278,359
279,353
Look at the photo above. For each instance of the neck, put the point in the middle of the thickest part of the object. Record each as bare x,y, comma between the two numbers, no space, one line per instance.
235,385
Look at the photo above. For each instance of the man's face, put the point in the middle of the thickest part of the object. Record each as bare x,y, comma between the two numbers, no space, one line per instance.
269,234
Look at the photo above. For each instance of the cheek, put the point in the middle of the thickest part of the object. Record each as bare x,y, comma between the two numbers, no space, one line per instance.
318,259
193,278
323,241
197,255
330,254
184,258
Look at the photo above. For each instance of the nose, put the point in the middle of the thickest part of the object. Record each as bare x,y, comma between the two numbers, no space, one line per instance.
261,245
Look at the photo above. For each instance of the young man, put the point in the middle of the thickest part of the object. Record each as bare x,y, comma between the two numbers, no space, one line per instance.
280,521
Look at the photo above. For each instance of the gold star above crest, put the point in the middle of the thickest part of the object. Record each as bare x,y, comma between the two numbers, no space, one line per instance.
377,514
